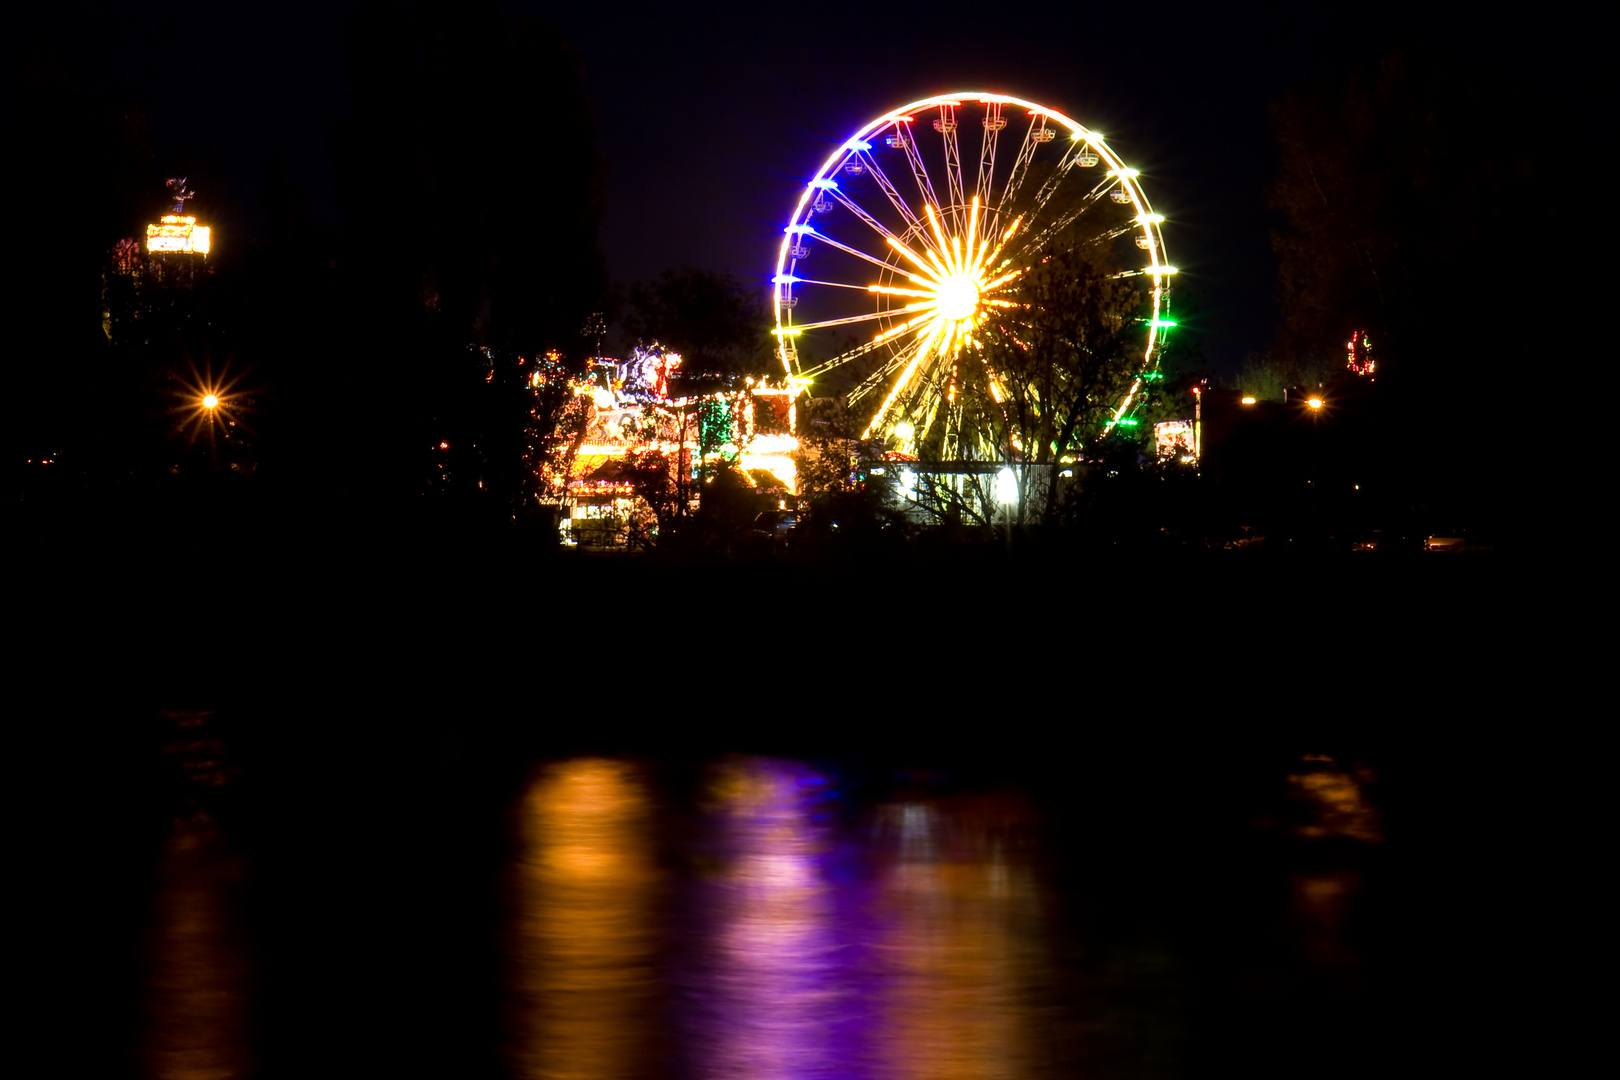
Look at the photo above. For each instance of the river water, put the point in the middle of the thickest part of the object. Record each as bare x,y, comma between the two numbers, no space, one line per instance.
447,911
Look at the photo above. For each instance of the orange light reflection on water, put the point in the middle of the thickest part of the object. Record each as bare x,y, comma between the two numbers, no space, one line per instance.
960,953
1335,802
582,989
196,999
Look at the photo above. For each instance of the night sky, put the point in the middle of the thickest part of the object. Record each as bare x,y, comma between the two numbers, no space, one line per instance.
710,116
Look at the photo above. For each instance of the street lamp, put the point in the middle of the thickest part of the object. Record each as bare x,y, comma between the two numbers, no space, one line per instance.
210,401
1315,402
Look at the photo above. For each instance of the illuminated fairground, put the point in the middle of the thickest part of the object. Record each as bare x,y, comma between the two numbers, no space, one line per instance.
905,252
900,264
635,406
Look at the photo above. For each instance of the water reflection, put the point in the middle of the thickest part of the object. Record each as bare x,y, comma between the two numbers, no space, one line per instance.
582,985
1333,799
780,999
1322,903
196,999
959,958
1332,806
907,950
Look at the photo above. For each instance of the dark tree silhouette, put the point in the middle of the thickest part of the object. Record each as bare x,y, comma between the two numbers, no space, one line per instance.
472,189
1405,213
719,327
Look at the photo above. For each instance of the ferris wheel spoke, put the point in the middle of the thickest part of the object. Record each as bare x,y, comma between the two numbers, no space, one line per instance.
859,254
914,224
1055,181
951,445
873,223
847,285
914,402
842,358
1036,240
878,378
924,347
869,316
953,164
920,173
1026,154
939,401
933,372
936,400
987,152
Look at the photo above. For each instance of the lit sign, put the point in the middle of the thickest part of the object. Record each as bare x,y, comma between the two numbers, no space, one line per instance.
178,234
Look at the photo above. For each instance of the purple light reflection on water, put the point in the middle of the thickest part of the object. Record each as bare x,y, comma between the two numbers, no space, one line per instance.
781,987
908,949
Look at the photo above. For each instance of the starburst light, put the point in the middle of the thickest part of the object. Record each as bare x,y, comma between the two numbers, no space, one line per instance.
956,277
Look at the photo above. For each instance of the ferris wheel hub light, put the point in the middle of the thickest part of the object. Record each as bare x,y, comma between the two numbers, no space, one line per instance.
958,296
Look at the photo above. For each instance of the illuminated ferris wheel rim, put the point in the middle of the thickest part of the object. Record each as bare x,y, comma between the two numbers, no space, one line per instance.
1125,178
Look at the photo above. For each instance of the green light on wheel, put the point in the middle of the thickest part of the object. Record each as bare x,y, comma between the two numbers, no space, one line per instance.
1162,323
1127,423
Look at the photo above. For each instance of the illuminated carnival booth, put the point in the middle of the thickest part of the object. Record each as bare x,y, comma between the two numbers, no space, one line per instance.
636,406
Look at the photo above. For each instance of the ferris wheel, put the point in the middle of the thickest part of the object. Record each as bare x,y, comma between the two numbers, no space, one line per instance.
902,257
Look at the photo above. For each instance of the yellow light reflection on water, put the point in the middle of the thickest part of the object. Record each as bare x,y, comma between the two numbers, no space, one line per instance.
960,950
582,990
196,1000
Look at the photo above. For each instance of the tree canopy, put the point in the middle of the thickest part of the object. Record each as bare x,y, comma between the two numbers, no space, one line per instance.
1046,381
719,327
1404,194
